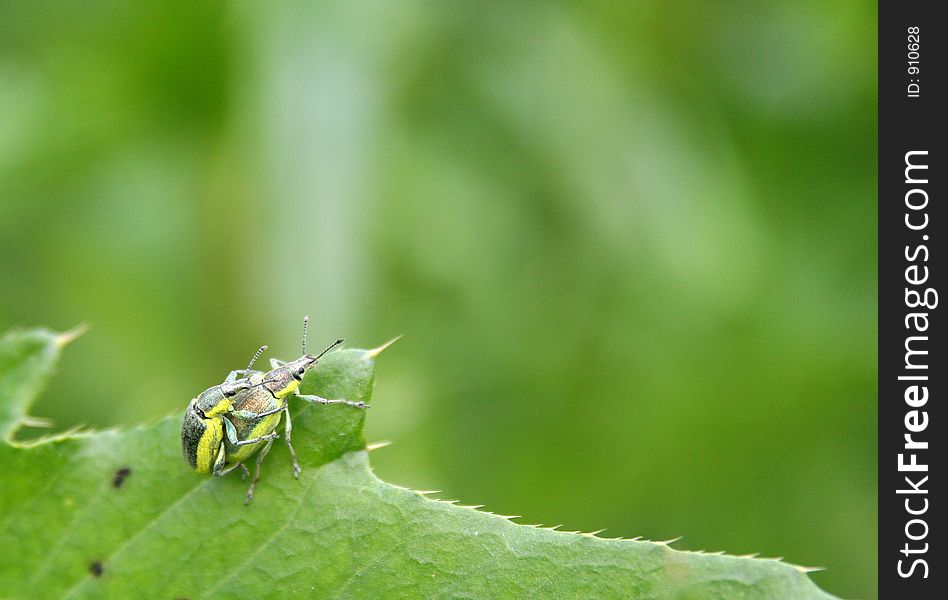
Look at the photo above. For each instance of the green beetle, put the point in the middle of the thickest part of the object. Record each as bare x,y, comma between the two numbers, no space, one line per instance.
227,423
205,427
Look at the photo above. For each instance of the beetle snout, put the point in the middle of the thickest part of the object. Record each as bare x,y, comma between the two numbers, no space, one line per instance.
298,367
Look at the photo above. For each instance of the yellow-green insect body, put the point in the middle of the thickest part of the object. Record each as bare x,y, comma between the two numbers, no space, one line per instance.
264,400
205,426
226,424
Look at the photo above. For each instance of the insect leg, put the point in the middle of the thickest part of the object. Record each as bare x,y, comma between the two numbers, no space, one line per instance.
320,400
219,462
234,376
263,438
288,430
246,414
230,431
256,475
224,471
232,434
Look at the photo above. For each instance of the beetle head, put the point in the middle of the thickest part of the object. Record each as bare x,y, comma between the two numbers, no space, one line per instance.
209,402
298,367
285,379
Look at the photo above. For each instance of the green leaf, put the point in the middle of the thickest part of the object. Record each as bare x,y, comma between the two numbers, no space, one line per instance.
118,514
26,361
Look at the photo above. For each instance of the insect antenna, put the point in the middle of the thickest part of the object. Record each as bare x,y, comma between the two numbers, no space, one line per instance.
305,327
331,346
260,351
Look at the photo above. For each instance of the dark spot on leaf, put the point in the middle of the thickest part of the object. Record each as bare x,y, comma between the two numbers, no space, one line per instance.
120,476
96,569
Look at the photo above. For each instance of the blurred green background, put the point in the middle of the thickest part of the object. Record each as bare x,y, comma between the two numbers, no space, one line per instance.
631,246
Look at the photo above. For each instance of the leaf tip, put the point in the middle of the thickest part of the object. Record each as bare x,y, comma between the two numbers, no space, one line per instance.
594,533
377,445
806,570
376,351
70,336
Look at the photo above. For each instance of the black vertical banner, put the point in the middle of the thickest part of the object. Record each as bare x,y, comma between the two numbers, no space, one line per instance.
913,373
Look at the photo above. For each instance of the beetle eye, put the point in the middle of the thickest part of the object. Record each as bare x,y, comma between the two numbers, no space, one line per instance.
301,370
230,392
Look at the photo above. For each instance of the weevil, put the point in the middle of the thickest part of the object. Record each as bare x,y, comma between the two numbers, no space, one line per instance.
205,427
227,423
